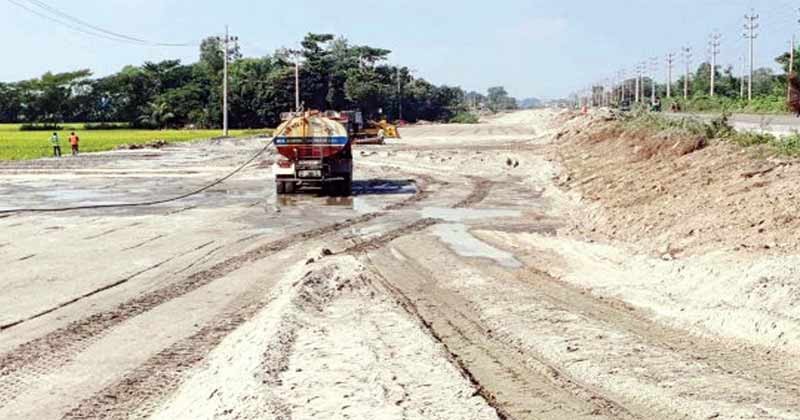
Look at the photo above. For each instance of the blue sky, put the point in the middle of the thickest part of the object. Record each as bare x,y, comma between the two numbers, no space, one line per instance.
534,48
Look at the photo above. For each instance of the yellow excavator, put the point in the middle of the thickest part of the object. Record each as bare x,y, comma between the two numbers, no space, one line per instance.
374,128
365,132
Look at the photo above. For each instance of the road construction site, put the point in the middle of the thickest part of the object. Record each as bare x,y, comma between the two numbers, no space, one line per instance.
521,268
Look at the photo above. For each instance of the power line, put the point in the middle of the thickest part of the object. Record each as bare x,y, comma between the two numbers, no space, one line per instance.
53,14
56,20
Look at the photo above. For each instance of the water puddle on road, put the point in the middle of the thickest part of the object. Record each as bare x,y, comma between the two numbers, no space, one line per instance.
360,205
461,241
77,197
464,215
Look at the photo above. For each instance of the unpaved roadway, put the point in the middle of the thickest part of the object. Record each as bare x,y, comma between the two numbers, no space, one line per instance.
449,287
776,124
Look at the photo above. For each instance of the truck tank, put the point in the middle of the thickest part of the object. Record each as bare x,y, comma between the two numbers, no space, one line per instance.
315,151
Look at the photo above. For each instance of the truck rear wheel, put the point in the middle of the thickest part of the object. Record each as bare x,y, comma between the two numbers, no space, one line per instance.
290,187
280,187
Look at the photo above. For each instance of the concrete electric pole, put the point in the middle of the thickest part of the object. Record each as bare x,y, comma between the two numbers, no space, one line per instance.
670,62
653,71
687,61
399,96
622,88
743,60
297,85
714,44
226,41
750,33
791,70
638,82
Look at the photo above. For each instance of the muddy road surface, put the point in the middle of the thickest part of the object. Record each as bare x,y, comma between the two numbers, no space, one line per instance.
448,287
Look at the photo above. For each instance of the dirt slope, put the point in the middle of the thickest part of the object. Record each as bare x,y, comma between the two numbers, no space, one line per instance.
673,196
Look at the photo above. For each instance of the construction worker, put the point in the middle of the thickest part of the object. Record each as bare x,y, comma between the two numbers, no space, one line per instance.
73,141
56,143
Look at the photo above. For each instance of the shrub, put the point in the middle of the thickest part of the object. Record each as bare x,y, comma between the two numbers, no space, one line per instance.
789,145
40,127
750,138
464,118
106,126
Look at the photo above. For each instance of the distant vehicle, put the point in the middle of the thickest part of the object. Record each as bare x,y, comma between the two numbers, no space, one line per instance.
656,105
361,129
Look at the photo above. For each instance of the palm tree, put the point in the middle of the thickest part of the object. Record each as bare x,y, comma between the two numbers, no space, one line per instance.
157,115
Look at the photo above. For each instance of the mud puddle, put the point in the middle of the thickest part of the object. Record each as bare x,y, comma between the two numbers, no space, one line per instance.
463,243
459,215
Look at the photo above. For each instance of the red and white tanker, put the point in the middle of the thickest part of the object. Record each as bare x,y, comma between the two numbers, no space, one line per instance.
315,151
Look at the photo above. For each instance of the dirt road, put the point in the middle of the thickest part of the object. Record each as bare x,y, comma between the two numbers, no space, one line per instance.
776,124
453,285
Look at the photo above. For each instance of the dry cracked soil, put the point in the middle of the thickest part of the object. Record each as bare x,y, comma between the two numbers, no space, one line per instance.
469,277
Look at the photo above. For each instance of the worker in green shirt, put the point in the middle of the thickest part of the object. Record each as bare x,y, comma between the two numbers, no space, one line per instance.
54,140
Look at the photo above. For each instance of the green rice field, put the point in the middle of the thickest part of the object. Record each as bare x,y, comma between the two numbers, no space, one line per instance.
20,145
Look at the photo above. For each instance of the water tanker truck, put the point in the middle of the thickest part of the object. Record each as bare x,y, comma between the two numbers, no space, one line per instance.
315,151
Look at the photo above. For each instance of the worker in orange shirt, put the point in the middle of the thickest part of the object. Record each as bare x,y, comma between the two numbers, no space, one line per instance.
73,141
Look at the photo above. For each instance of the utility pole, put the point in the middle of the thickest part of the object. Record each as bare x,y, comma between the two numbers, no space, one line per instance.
687,60
750,27
642,70
399,96
743,60
653,71
714,44
297,85
670,61
226,41
638,79
791,70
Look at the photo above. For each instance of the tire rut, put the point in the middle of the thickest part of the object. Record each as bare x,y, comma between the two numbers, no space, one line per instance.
21,366
140,392
481,188
765,367
511,379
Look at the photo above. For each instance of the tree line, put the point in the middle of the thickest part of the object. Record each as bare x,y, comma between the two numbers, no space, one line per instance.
335,74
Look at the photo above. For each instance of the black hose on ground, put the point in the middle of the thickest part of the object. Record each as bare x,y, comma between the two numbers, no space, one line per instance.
144,203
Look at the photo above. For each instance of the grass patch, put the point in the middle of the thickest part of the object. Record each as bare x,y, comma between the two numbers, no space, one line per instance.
718,128
21,145
464,118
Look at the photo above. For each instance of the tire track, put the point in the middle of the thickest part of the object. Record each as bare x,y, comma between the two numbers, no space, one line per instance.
512,380
481,188
140,390
98,290
141,244
24,364
771,369
143,389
